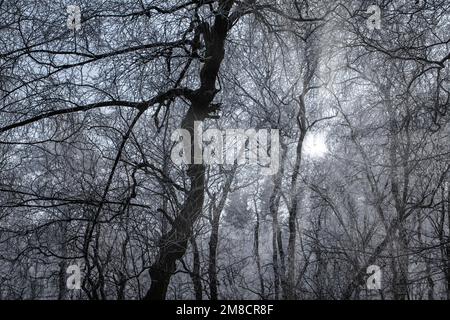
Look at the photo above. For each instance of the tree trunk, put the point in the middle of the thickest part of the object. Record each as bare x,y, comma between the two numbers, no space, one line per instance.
274,203
195,275
214,237
295,197
173,244
399,158
256,250
277,246
62,264
212,266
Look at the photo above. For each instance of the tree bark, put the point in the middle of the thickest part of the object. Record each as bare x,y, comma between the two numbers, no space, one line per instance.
295,197
214,237
173,244
256,250
277,245
195,275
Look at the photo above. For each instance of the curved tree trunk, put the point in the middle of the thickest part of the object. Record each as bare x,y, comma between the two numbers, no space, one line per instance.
173,245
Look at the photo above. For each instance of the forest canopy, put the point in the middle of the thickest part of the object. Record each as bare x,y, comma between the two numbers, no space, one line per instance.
324,150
